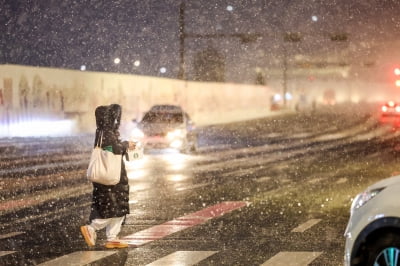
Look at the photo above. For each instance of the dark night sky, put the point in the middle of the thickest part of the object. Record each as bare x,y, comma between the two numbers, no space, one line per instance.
69,34
73,33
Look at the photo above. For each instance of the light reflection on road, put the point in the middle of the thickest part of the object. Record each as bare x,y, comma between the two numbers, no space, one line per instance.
159,170
176,177
136,169
176,161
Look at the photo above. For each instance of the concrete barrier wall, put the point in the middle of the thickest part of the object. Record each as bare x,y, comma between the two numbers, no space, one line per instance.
31,93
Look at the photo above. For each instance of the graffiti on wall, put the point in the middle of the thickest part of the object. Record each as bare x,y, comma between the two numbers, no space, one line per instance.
39,98
36,93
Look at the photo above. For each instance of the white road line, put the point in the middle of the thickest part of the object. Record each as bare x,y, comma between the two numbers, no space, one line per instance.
316,180
183,258
341,180
307,225
79,258
292,259
193,186
262,179
11,235
4,253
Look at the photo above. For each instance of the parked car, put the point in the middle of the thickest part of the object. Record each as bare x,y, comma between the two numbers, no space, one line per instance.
166,126
373,231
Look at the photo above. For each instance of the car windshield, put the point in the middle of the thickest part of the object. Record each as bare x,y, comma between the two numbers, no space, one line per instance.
163,117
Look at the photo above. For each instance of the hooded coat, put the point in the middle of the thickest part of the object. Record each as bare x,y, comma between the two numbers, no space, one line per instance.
110,201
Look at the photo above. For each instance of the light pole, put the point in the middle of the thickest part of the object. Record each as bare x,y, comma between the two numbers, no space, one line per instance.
293,38
181,72
284,83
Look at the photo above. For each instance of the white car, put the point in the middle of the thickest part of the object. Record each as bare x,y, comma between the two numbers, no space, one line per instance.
166,126
373,231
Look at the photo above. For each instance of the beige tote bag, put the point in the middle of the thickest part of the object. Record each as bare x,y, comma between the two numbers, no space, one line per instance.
104,166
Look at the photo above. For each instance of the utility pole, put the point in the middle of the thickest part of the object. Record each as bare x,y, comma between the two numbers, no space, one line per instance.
244,37
284,75
181,72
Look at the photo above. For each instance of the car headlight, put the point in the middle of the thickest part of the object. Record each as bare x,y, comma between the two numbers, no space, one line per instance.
137,133
363,198
177,133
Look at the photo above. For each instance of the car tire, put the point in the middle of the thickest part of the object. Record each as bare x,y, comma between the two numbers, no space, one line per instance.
387,245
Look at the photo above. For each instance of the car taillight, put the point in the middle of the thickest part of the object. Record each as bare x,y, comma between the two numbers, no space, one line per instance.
391,103
384,108
397,109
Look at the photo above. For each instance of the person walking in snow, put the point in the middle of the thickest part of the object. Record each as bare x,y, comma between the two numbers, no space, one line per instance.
110,204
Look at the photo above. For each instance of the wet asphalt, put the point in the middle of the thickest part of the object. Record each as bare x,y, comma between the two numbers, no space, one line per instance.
289,169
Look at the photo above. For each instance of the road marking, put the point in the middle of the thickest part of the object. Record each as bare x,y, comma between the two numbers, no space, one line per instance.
305,226
263,179
316,180
4,253
11,235
159,231
185,258
79,258
292,259
341,180
44,215
193,186
12,204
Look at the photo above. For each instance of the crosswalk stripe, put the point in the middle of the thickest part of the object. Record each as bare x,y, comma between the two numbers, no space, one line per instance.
79,258
183,222
4,253
292,259
305,226
183,258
